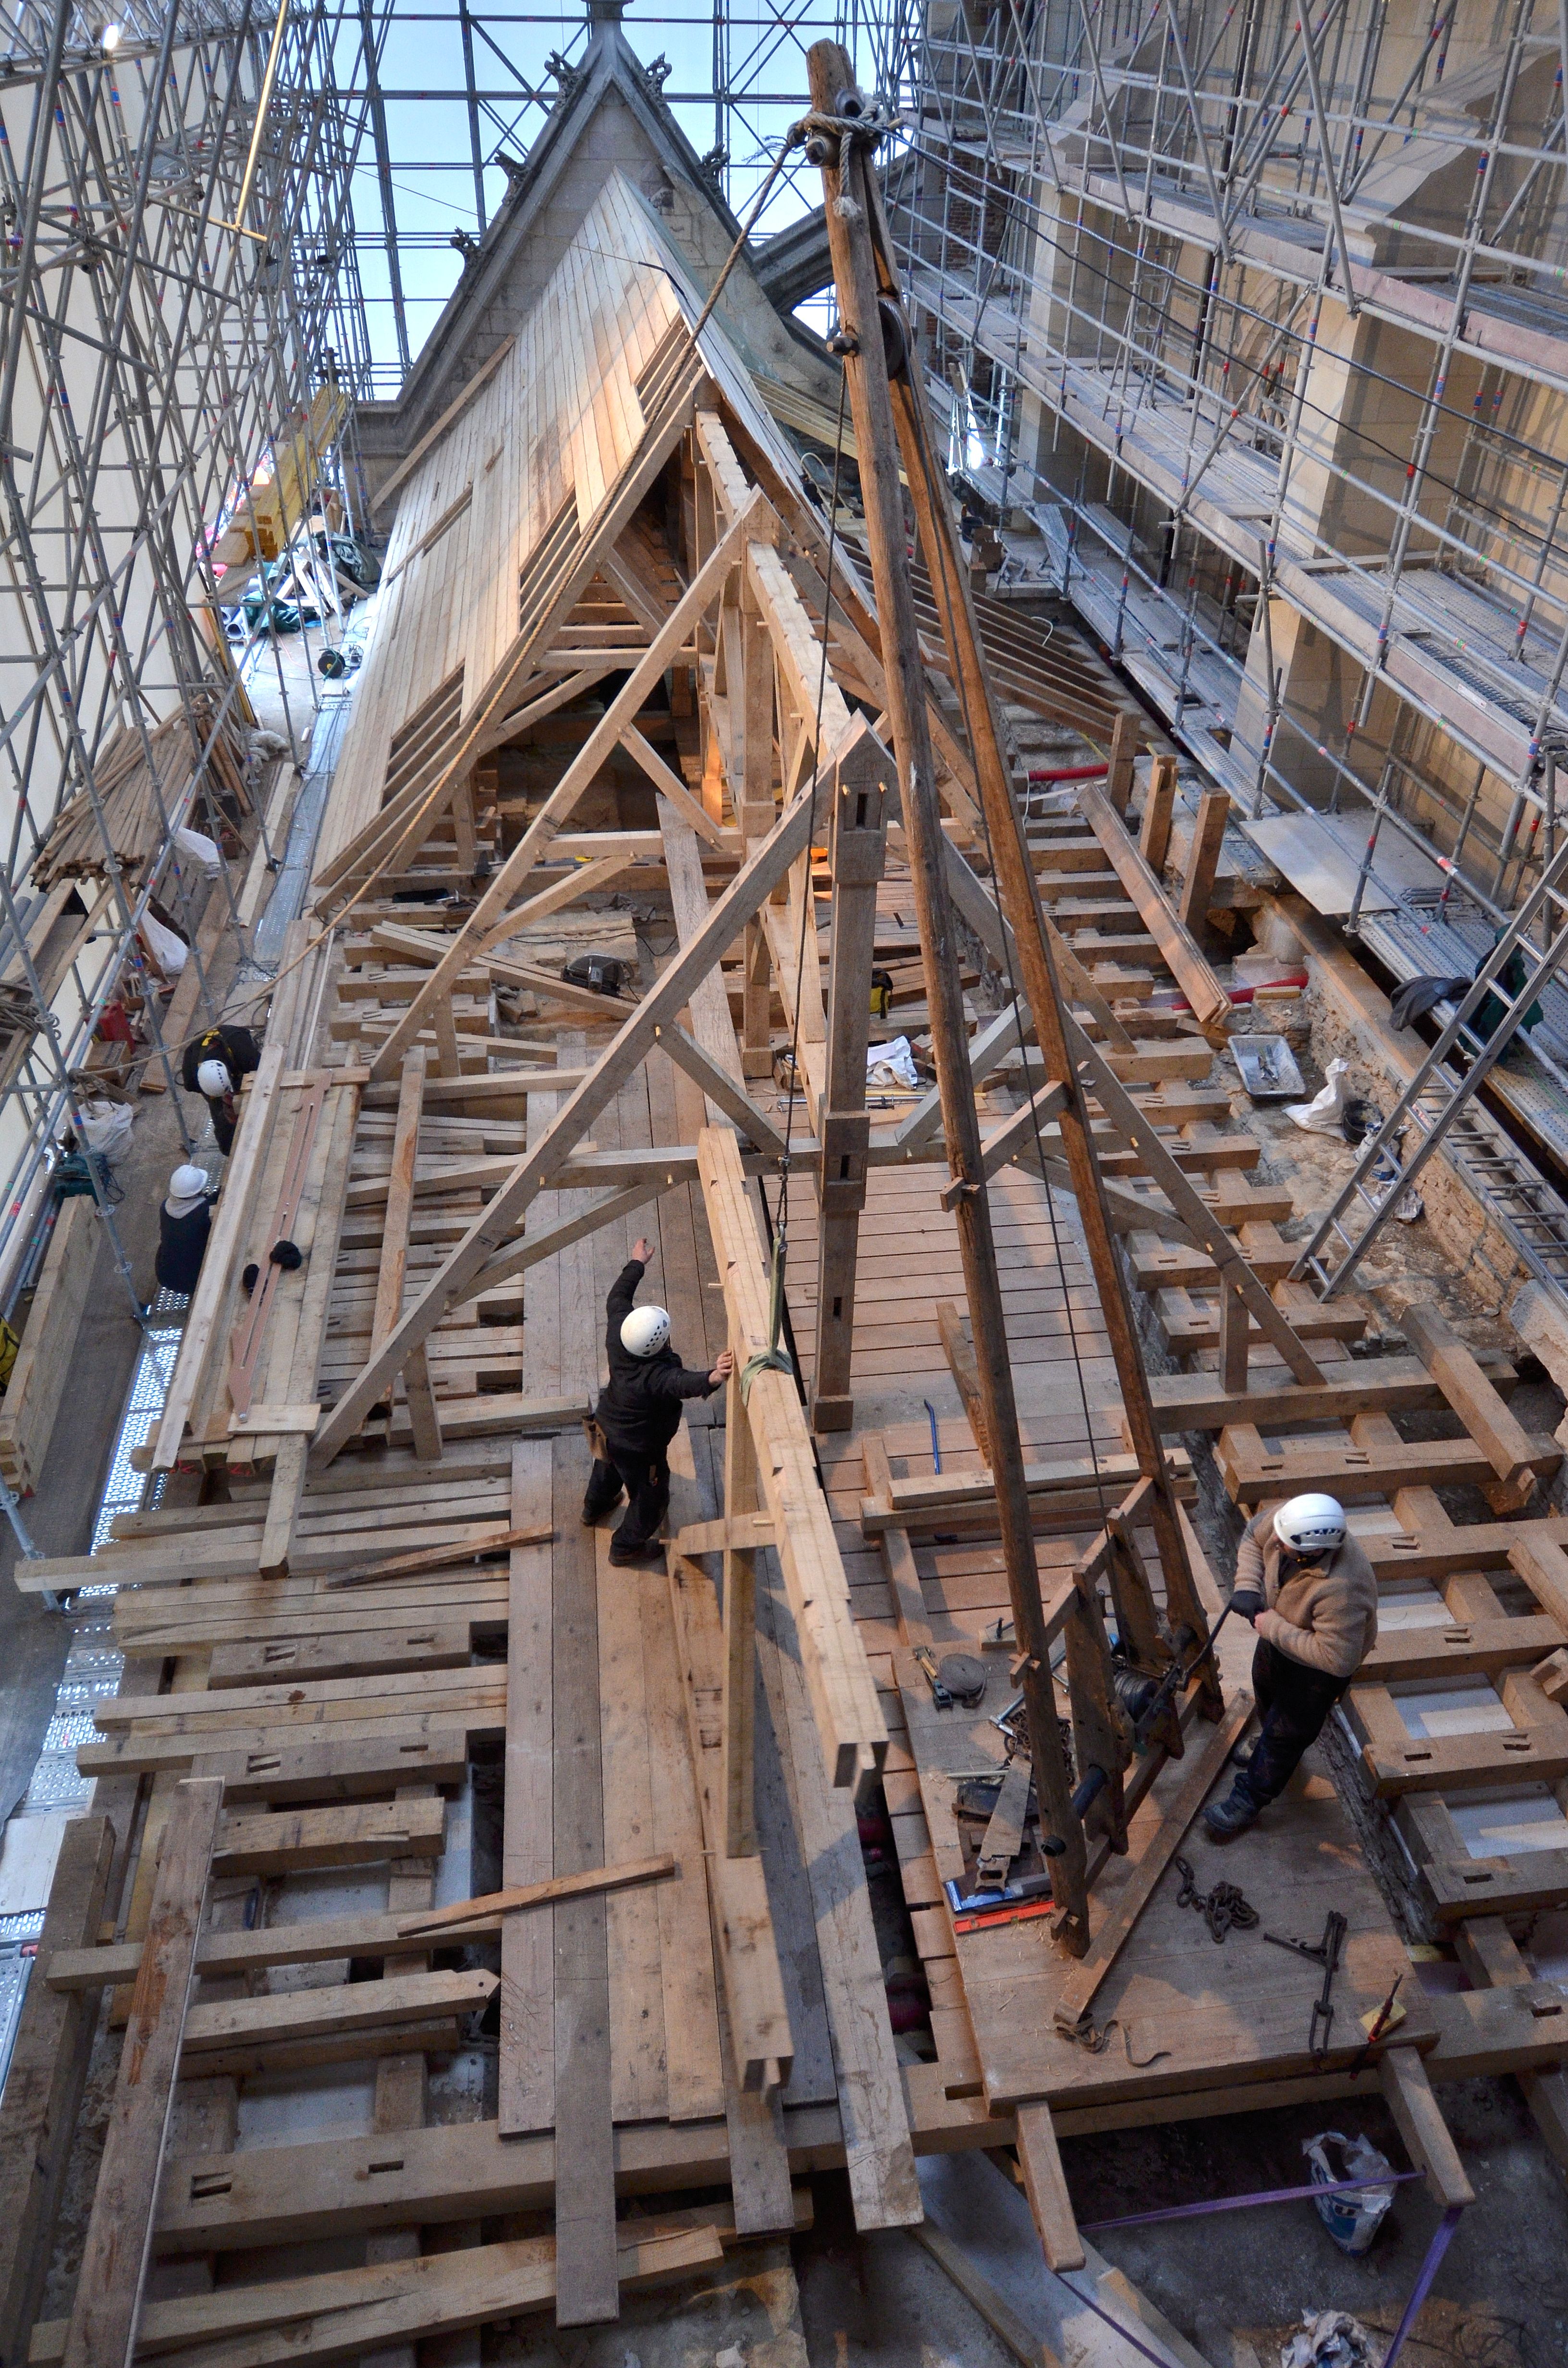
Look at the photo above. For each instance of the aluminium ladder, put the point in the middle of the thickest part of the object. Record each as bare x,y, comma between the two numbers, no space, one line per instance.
1439,1107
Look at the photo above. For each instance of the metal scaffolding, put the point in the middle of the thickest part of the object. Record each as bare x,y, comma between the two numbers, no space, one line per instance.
204,268
178,280
1248,324
461,92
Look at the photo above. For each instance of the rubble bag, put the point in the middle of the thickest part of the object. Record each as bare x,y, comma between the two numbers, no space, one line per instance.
1351,2220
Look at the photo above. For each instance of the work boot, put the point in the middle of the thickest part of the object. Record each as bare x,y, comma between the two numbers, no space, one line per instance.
1241,1756
1227,1819
650,1550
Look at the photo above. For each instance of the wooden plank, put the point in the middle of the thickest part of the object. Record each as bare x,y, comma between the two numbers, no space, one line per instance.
147,1755
1045,2182
440,2295
46,2080
352,1833
399,1198
1491,1958
852,1734
290,2193
1138,872
639,2090
1078,1990
756,2015
219,1279
1407,2092
428,1646
1159,804
120,2233
693,2070
879,2154
448,418
591,1880
431,2288
759,2166
1274,1400
1203,858
224,1956
332,2010
528,1942
857,851
1510,1449
43,1360
477,1248
585,2204
583,771
711,1022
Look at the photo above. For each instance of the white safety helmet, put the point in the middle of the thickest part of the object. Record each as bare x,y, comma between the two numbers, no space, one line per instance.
212,1079
645,1331
186,1182
1311,1524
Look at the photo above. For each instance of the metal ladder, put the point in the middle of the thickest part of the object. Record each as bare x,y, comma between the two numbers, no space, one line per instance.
1438,1107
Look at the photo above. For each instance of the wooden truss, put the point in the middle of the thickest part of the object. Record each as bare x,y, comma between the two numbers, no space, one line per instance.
402,1474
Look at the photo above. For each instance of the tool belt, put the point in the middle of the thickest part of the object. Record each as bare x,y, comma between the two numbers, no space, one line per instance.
599,1445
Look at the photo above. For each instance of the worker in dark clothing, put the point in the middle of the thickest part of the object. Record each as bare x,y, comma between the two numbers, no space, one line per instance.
213,1065
639,1414
1306,1587
184,1223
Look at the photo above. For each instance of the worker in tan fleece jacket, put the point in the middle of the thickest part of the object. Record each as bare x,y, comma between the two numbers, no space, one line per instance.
1311,1597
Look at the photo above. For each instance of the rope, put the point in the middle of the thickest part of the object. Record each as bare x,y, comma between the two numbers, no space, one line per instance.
773,1358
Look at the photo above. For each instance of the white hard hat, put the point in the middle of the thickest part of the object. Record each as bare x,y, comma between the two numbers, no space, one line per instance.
186,1181
645,1331
1311,1524
212,1079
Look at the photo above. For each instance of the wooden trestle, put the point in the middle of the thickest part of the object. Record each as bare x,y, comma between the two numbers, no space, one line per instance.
366,1571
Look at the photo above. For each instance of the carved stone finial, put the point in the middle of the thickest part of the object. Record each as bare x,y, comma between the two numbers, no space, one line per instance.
566,76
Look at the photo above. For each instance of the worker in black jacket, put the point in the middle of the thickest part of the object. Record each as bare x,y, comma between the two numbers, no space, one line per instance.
639,1414
213,1065
184,1221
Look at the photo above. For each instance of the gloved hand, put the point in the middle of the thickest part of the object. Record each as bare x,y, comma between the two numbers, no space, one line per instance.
1247,1602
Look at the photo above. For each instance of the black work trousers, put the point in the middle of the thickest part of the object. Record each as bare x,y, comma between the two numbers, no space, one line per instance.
645,1479
225,1118
1293,1702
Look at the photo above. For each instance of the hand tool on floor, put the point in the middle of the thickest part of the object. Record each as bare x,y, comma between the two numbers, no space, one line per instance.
1005,1832
1010,1903
957,1678
1326,1955
1389,2012
926,1662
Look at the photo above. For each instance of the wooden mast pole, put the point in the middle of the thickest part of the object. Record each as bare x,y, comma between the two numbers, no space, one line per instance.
854,269
1021,895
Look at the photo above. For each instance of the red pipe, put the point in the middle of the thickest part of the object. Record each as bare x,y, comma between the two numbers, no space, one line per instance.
1073,773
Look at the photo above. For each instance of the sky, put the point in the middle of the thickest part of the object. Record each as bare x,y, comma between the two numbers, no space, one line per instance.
756,52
